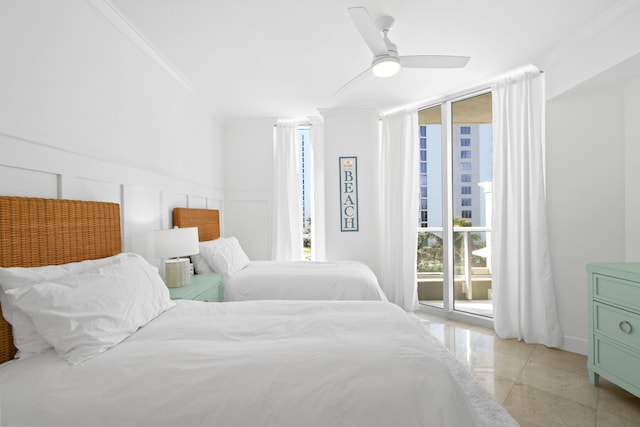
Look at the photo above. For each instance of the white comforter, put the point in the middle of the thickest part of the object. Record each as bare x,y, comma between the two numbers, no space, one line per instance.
279,363
303,280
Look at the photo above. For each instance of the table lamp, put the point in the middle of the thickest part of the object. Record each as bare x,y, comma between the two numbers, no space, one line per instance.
174,243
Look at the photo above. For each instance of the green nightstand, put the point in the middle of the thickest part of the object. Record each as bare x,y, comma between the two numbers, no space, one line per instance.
203,287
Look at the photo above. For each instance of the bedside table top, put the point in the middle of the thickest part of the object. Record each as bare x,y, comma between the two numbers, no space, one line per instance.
200,283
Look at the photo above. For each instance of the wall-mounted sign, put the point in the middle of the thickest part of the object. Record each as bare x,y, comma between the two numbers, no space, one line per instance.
348,193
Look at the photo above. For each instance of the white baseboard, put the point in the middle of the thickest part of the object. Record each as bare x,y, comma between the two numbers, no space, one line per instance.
575,345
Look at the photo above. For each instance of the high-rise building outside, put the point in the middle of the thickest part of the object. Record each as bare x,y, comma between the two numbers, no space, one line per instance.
471,165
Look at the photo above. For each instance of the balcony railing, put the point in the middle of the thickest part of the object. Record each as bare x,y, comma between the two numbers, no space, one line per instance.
472,262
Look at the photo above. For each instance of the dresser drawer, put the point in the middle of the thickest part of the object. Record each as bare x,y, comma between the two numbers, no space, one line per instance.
617,324
616,291
618,361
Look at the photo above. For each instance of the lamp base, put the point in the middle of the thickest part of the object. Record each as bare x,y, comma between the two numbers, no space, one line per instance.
178,272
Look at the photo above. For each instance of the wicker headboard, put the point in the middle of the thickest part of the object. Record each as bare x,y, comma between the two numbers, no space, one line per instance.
36,232
207,221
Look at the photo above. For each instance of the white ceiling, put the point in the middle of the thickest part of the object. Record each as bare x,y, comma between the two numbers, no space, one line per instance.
287,58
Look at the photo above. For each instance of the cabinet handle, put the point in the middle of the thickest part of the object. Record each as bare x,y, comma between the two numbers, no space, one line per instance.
625,327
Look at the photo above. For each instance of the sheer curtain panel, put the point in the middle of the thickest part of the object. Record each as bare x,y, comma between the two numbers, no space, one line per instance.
287,208
398,161
523,288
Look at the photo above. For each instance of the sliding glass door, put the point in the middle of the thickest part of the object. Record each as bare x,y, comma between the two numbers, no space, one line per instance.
454,250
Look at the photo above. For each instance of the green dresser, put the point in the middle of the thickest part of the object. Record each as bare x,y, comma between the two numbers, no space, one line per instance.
203,287
614,324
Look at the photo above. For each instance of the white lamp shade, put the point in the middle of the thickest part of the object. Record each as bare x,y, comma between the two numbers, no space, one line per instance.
176,242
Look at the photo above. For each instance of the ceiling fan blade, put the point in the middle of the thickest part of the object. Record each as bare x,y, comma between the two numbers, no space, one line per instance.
433,61
368,30
355,80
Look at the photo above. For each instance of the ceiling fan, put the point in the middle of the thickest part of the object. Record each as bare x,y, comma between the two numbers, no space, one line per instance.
386,61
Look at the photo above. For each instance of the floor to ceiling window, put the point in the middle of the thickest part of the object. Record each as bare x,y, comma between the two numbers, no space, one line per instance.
454,251
304,185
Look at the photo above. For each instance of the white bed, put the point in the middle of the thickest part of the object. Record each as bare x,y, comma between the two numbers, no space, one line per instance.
100,343
273,280
284,363
303,280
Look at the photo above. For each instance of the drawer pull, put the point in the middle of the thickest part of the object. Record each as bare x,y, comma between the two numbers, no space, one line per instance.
625,327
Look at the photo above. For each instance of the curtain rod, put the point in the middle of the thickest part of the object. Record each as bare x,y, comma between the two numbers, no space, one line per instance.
470,91
304,124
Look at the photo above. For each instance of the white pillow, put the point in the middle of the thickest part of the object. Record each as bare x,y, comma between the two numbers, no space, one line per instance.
25,337
200,263
227,257
84,315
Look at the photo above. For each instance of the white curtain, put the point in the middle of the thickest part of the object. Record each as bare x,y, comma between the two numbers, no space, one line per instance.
398,161
287,207
523,288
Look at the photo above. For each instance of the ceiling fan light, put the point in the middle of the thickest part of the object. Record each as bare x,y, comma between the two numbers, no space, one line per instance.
385,67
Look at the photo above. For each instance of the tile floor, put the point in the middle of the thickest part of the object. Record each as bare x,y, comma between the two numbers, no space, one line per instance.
539,386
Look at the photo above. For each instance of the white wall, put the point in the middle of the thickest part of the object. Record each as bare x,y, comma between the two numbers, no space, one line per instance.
86,114
248,177
632,171
586,196
351,133
593,93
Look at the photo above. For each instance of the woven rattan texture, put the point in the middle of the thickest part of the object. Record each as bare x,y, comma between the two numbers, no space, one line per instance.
36,232
207,221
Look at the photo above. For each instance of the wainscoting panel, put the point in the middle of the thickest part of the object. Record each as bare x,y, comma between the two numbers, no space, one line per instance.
16,181
197,202
142,217
99,191
214,204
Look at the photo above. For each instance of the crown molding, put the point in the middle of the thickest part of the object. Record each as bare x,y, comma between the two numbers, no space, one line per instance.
116,18
588,31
